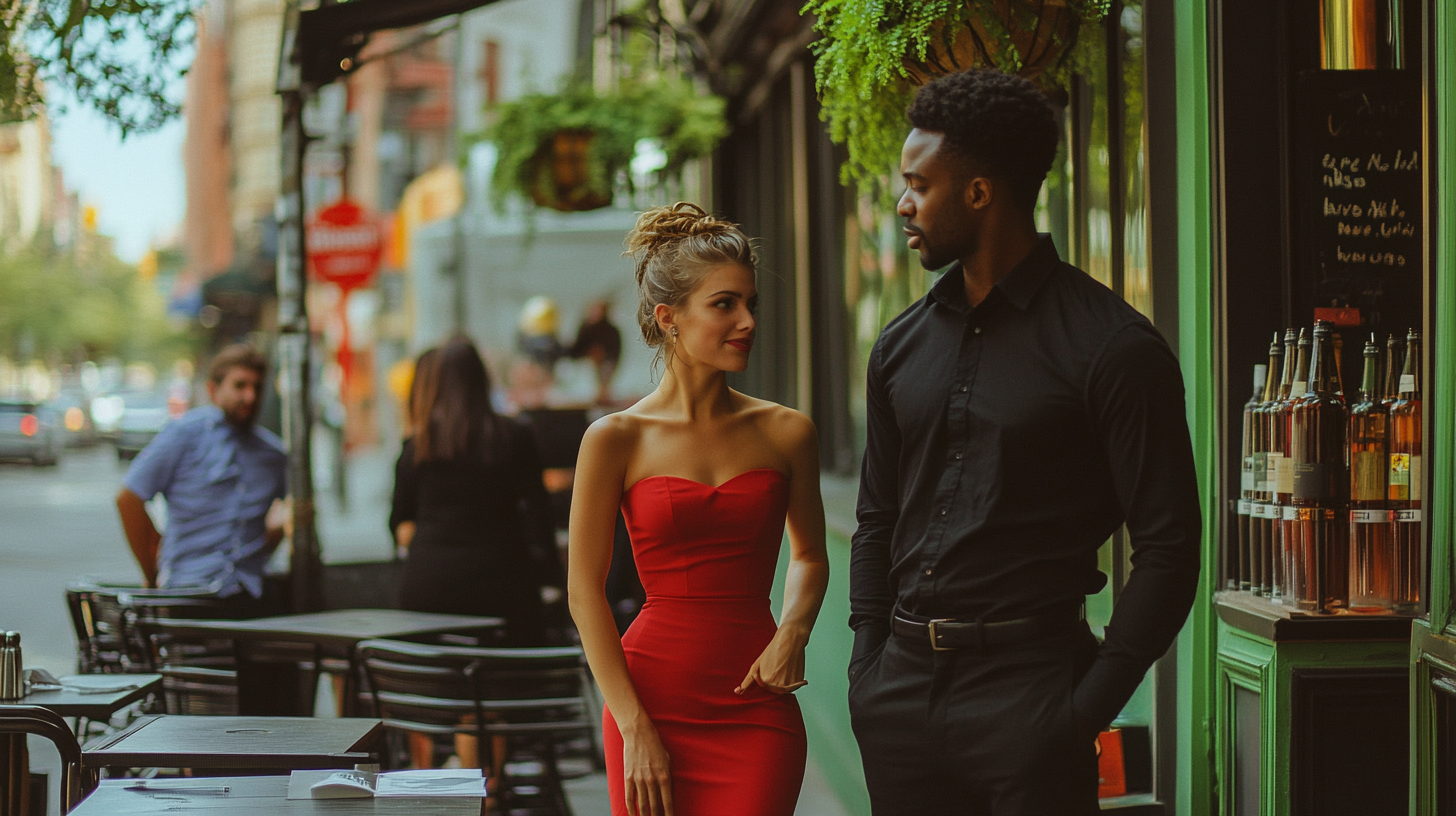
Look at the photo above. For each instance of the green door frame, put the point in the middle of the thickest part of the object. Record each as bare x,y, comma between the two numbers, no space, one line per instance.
1433,646
1434,643
1196,790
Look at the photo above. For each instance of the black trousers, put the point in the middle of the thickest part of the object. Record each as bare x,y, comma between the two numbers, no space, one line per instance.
975,732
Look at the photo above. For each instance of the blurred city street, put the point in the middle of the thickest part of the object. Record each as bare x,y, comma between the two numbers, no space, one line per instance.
60,524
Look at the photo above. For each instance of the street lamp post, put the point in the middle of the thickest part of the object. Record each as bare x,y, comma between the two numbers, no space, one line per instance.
295,339
319,45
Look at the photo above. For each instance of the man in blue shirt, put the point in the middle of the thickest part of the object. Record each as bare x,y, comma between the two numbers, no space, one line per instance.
224,479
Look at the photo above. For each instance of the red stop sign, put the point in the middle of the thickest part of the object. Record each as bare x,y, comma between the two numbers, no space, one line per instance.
344,245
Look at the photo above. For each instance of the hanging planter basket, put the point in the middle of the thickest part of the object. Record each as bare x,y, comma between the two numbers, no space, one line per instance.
570,150
1031,38
567,176
872,56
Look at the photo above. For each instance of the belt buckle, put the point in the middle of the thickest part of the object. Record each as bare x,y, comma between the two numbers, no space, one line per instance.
935,638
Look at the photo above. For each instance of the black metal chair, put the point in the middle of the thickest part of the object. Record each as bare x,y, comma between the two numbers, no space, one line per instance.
536,699
16,721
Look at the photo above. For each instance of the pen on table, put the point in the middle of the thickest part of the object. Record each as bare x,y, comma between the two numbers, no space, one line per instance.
142,786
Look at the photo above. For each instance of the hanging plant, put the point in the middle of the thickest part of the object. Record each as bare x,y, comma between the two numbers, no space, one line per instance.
872,55
567,150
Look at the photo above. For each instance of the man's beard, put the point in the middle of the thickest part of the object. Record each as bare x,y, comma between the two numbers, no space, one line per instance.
241,418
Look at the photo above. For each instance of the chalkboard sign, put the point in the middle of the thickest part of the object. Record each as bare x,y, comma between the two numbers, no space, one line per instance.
1358,198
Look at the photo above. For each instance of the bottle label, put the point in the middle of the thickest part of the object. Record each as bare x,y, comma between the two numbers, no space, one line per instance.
1407,515
1407,383
1270,479
1367,476
1244,507
1284,476
1415,477
1291,513
1311,481
1298,389
1265,510
1249,478
1400,476
1370,516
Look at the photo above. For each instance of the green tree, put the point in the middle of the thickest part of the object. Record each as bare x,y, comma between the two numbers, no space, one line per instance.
117,56
64,305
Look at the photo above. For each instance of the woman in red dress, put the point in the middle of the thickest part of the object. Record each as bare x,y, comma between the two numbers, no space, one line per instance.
700,719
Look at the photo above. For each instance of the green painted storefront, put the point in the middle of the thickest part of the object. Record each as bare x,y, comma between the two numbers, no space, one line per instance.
1235,711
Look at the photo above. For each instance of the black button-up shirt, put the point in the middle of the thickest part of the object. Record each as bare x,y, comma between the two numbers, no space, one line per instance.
1006,443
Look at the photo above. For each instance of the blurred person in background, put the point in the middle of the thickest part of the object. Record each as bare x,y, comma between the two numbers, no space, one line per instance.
469,504
600,341
224,480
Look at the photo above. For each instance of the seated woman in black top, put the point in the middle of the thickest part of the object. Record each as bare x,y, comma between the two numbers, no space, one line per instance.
469,503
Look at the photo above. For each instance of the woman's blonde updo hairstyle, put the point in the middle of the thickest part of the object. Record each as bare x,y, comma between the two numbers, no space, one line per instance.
674,247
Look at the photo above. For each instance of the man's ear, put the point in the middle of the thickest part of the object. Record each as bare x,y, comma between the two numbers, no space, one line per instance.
980,193
211,391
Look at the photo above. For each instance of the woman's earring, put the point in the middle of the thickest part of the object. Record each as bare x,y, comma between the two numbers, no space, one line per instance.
674,334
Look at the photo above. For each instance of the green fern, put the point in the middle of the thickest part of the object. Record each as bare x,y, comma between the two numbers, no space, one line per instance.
864,85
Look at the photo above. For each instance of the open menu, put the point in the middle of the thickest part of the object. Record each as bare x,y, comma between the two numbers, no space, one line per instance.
362,784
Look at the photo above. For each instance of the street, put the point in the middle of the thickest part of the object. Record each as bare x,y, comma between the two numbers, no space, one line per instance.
56,525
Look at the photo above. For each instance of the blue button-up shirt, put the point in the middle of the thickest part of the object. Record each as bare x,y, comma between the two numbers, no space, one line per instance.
219,482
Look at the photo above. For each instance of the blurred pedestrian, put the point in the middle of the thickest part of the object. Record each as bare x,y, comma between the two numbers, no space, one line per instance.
224,479
536,332
599,340
469,504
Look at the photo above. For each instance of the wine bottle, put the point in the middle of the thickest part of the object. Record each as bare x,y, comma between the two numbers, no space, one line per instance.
1249,480
1390,391
1269,442
1295,383
1317,433
1405,487
1340,366
1370,535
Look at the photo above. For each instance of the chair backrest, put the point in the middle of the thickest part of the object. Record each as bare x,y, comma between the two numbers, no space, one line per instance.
76,783
106,616
429,687
149,648
200,690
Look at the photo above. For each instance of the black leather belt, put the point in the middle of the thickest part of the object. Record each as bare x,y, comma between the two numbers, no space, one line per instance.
943,634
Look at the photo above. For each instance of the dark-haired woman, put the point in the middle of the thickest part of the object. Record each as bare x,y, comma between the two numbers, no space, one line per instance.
469,503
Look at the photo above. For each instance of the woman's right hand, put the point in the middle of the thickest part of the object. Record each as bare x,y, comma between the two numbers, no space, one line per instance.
646,773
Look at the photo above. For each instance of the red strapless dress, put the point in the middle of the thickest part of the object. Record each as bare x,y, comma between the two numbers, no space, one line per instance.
706,556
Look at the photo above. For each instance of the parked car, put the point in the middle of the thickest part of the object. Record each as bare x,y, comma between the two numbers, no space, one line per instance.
143,415
29,430
73,408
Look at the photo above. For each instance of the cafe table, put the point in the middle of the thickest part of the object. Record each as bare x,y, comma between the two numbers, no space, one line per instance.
93,696
252,743
254,796
332,635
104,698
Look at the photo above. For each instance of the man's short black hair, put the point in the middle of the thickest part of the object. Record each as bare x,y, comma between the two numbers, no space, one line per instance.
1001,123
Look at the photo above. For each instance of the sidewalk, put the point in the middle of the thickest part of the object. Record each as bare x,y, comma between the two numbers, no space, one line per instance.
357,529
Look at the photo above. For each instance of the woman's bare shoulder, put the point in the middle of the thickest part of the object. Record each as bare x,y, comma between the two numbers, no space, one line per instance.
613,433
788,428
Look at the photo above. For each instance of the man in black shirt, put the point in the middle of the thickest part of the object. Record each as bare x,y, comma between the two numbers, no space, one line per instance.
1017,416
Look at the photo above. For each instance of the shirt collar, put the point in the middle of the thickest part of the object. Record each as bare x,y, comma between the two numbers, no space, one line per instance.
214,416
216,420
1019,286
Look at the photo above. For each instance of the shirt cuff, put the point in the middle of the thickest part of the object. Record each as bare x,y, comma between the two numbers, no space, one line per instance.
1104,690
